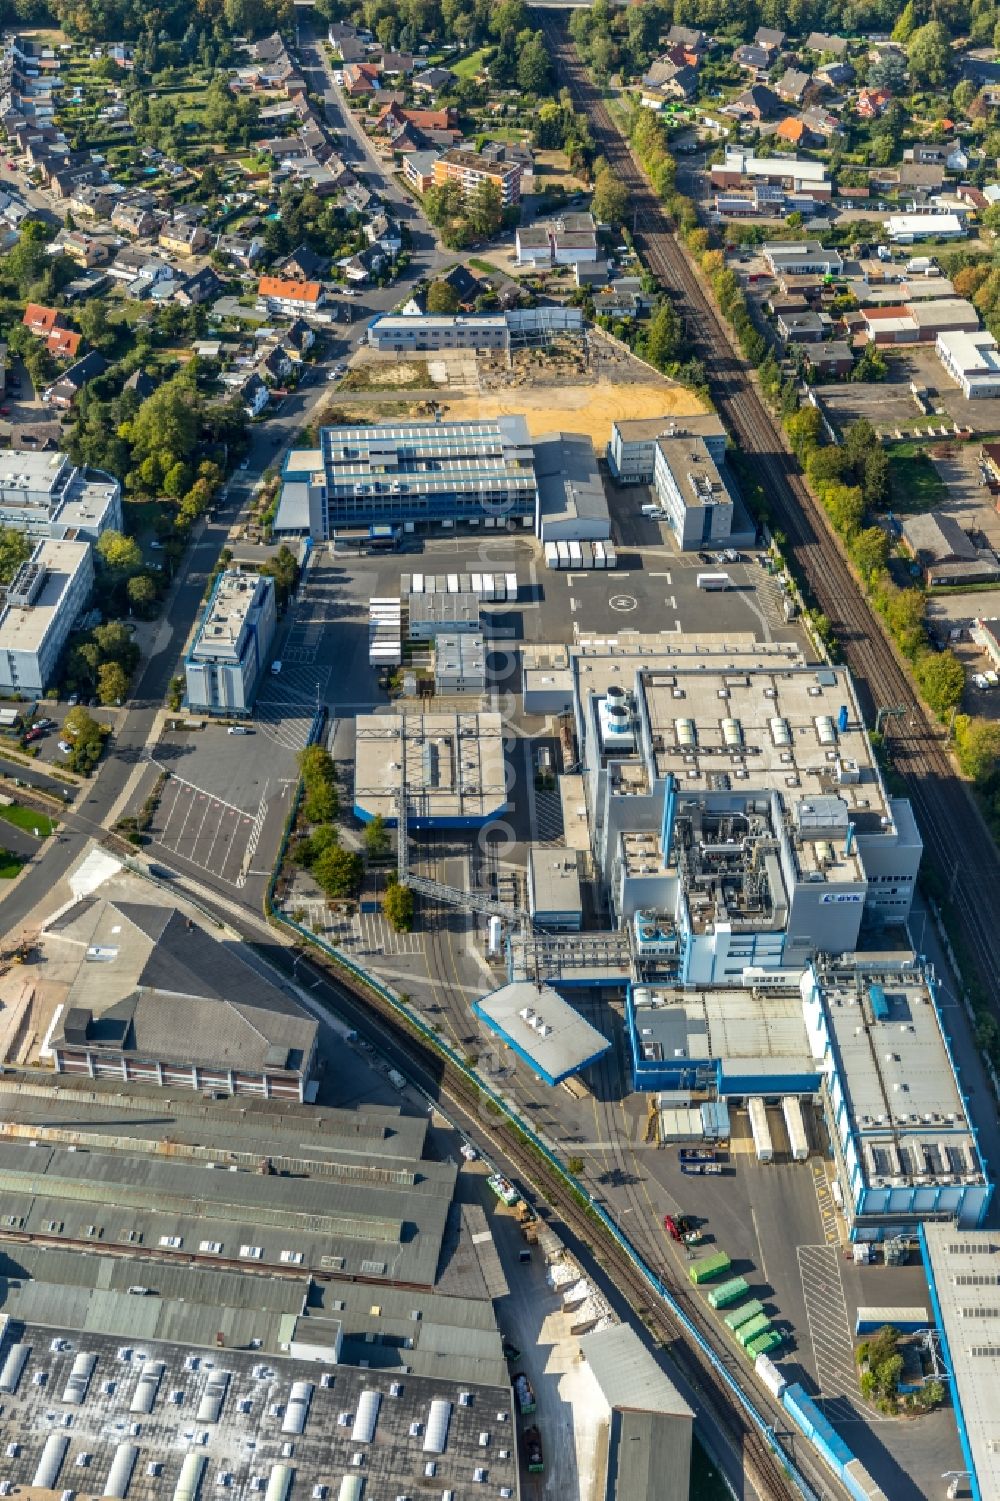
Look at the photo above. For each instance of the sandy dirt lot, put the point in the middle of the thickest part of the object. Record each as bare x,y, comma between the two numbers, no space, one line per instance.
579,409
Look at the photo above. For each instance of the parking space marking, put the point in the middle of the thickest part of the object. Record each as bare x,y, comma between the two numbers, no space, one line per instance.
826,1316
201,828
377,935
827,1208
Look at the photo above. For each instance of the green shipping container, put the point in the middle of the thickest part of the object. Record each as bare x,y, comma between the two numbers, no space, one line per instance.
763,1343
728,1292
749,1331
707,1267
743,1315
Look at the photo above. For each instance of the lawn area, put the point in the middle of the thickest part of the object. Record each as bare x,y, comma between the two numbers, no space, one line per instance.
26,818
915,483
469,66
10,865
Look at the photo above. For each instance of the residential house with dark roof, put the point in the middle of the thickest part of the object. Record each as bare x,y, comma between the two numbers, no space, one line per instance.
64,391
752,59
834,75
767,36
671,81
758,102
299,338
367,263
142,384
254,395
834,358
240,250
432,80
203,286
694,42
86,250
275,366
303,264
183,238
462,282
821,41
393,63
135,219
791,86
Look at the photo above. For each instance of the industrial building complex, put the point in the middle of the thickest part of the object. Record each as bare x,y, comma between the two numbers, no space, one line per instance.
416,472
232,644
153,997
43,601
46,495
449,767
181,1362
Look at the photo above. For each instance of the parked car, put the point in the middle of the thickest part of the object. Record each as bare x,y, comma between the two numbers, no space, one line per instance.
238,729
65,747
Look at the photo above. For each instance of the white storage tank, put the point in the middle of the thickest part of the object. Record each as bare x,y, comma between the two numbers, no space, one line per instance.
687,734
551,555
564,558
732,733
511,587
826,731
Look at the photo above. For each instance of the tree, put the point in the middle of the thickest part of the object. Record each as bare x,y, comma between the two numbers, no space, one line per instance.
977,743
907,23
320,802
942,680
112,683
114,643
928,53
15,549
827,466
662,340
442,298
484,210
859,440
871,366
376,838
875,479
285,571
397,907
87,738
888,73
141,593
117,552
610,200
870,551
338,871
533,67
804,431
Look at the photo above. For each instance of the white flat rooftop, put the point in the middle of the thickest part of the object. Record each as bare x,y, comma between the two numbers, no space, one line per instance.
965,1272
898,1082
542,1028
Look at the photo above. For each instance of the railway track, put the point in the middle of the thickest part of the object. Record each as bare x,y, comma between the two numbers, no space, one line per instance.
372,1015
953,832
